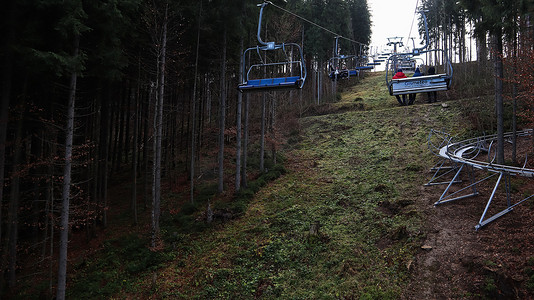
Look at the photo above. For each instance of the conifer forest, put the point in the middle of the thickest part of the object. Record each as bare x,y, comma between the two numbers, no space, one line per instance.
136,164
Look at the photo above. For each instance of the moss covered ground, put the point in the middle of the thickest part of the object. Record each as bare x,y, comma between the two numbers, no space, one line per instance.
355,176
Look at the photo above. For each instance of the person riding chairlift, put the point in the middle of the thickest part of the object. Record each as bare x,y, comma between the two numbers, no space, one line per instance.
417,73
432,96
400,75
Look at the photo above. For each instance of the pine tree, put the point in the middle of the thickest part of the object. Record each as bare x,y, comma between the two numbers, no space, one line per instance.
72,27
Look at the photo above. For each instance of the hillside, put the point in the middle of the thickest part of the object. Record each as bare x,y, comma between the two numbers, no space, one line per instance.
350,216
347,218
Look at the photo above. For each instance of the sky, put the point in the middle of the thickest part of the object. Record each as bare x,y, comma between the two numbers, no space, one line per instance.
391,18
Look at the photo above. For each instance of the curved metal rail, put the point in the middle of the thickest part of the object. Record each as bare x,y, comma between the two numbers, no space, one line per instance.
465,155
457,153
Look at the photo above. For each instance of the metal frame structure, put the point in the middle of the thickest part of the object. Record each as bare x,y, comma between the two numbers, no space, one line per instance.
456,157
297,68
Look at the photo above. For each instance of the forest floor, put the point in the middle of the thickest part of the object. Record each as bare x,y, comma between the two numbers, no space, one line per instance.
350,218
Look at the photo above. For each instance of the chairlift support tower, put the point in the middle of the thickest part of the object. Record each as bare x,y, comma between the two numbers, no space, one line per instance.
395,42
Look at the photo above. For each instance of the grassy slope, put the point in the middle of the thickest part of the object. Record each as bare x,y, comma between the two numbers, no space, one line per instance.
355,171
357,175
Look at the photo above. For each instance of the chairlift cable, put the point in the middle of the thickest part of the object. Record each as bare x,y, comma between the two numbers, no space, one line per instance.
315,24
413,19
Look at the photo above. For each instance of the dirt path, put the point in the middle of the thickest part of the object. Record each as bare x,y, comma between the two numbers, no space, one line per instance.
456,261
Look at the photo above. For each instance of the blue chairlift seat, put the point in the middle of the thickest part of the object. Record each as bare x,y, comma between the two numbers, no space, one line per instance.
253,80
364,68
353,72
271,83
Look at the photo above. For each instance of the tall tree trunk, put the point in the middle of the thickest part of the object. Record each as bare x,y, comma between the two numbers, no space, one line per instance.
52,225
121,113
514,97
94,161
244,182
319,83
64,225
135,145
4,102
497,38
271,129
114,131
105,145
49,189
129,99
146,176
463,51
307,66
12,219
208,104
156,189
482,53
194,110
238,126
222,115
262,136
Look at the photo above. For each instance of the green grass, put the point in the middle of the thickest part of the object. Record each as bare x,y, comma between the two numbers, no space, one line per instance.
118,267
360,176
371,91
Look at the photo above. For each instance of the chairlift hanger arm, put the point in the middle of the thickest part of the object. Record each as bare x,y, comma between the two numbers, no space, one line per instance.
427,38
270,44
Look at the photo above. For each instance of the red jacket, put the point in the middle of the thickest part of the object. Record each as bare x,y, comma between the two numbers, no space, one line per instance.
399,75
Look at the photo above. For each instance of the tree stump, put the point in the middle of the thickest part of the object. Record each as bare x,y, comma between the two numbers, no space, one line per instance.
209,213
314,228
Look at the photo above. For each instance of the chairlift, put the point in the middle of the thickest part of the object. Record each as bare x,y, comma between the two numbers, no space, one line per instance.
406,63
342,66
421,84
271,66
